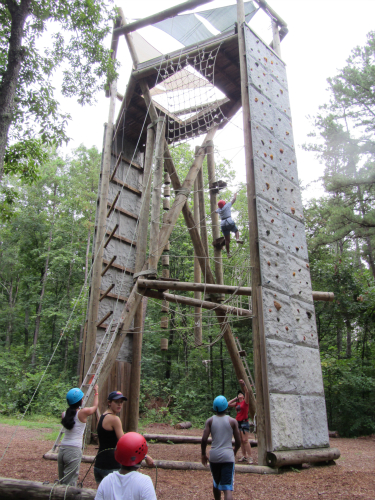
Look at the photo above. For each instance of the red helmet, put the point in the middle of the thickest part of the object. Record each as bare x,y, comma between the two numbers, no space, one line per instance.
131,449
221,204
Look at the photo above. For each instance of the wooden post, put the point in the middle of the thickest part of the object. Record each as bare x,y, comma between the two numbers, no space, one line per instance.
135,374
214,215
156,193
202,211
276,38
99,236
253,235
197,275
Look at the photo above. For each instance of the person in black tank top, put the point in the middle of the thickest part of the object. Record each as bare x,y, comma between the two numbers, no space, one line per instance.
109,432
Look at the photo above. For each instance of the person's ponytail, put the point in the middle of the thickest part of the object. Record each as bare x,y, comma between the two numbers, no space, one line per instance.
68,420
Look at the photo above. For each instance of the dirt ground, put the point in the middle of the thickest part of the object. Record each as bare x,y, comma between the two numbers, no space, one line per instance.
351,478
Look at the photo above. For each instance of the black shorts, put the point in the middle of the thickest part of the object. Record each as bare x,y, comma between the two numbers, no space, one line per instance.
229,228
223,475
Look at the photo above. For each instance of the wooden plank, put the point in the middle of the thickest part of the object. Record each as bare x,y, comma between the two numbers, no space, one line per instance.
192,287
132,163
111,208
115,180
118,161
106,292
108,264
109,313
120,238
117,266
123,211
121,298
160,16
110,235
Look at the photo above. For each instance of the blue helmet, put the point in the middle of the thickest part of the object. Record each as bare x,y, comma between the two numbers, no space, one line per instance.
74,395
220,404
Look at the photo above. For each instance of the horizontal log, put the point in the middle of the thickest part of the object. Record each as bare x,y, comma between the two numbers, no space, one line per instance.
179,299
174,465
208,288
333,434
160,16
294,457
177,439
11,489
50,455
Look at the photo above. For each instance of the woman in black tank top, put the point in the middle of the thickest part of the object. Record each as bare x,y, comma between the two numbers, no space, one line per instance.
105,462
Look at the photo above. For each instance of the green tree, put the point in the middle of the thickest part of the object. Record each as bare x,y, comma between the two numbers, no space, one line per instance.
28,106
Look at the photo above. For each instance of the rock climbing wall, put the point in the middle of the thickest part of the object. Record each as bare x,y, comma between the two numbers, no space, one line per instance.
296,395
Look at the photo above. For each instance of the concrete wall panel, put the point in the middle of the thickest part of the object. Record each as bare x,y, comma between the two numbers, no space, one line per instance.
291,201
282,367
270,222
278,316
299,279
286,418
314,422
273,267
267,181
295,238
304,324
310,380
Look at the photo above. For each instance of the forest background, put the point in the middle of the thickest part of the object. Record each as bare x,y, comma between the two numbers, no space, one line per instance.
47,210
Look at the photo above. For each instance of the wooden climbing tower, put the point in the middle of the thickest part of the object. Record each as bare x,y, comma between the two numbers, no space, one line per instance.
138,177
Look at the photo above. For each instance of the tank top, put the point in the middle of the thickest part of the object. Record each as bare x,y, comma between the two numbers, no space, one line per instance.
222,433
105,458
73,437
242,410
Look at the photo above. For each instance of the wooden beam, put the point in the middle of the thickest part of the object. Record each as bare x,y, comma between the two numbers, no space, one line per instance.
132,163
134,190
120,298
110,235
118,266
109,264
109,313
192,287
122,238
269,11
118,161
160,16
204,304
113,204
180,439
197,274
107,292
123,211
253,233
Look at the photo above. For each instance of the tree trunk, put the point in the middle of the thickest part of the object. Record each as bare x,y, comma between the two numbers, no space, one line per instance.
338,341
171,337
222,368
12,303
8,85
26,330
44,282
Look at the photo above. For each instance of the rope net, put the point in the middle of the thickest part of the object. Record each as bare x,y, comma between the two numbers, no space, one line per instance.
188,95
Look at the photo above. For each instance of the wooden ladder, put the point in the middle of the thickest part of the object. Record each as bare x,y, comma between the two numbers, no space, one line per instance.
94,370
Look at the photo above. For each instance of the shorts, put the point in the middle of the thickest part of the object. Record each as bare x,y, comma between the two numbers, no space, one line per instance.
100,474
223,475
229,228
244,426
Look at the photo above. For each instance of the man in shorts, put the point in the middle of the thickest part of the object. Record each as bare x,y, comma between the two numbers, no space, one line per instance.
227,224
222,428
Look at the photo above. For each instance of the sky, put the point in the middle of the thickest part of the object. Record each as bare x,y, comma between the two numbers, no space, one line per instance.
322,34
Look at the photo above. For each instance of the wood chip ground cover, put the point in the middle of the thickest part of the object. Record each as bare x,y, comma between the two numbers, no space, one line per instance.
351,478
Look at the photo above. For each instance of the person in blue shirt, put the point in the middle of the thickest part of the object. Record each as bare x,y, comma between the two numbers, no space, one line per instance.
227,223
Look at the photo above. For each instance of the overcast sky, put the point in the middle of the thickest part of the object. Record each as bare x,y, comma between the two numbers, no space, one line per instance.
321,35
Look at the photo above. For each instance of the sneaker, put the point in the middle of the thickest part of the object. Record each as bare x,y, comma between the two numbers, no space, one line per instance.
243,460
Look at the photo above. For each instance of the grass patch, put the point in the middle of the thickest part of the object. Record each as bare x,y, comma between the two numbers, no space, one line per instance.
49,436
32,422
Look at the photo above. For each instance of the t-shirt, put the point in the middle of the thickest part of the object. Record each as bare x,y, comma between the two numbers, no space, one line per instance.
225,214
131,486
242,410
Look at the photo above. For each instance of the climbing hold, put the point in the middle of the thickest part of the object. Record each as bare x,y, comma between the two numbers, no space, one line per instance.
304,338
262,141
268,232
271,156
307,266
277,242
294,274
308,314
256,100
297,248
267,185
277,305
266,59
269,263
293,210
287,133
281,151
265,155
287,329
272,220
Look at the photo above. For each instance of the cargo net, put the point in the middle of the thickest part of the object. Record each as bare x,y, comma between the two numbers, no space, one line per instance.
188,96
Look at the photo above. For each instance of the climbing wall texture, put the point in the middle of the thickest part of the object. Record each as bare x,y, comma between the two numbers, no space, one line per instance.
296,396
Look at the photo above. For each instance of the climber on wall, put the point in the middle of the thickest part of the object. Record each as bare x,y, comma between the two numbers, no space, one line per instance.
227,223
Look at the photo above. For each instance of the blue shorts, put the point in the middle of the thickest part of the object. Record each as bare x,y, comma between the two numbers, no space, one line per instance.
223,475
100,474
244,426
229,228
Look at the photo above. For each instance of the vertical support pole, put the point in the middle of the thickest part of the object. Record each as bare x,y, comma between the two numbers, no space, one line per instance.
100,233
202,210
156,193
214,216
253,233
276,38
197,274
135,374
